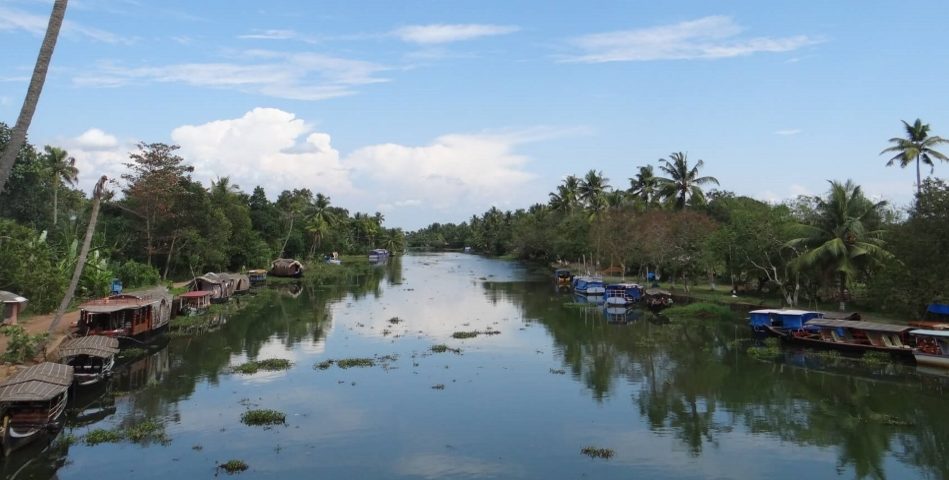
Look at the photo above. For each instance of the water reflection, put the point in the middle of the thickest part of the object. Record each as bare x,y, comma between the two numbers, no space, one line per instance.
677,398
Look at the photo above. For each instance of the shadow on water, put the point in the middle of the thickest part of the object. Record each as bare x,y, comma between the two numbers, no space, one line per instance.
693,378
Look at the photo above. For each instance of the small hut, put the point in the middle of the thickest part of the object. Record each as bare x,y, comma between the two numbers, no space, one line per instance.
286,267
11,305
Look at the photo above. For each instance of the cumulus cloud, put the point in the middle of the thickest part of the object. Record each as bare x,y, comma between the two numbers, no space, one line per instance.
97,153
296,76
267,147
95,139
14,19
710,37
448,33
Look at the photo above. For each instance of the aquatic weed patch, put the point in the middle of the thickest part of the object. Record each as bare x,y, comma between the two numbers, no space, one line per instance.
875,359
268,364
101,435
324,364
355,362
263,417
395,320
442,348
771,350
145,431
474,333
130,353
233,466
595,452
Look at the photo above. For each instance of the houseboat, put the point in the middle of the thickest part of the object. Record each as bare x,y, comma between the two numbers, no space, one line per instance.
286,267
379,255
11,305
221,285
562,276
257,277
91,358
778,322
32,403
588,285
937,318
932,347
240,281
194,303
131,314
656,298
622,293
857,336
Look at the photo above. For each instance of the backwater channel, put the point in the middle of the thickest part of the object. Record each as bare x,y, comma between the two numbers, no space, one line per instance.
671,399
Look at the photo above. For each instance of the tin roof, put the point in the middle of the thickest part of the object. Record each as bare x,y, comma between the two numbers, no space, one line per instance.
195,294
37,383
93,345
871,326
7,297
930,333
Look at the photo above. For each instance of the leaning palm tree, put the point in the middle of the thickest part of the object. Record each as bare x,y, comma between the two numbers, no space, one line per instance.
846,239
645,185
18,135
684,185
63,169
97,193
917,146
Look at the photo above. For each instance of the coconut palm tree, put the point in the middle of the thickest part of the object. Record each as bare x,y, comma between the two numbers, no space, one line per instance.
97,193
320,220
846,239
566,197
18,135
592,190
684,185
62,169
645,185
917,146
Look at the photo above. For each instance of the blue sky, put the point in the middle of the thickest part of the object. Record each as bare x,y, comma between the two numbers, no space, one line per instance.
434,111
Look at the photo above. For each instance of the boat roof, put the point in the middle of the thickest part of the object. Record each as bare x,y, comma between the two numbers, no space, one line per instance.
195,294
783,311
930,333
7,297
37,383
93,345
940,308
657,291
624,285
256,271
874,326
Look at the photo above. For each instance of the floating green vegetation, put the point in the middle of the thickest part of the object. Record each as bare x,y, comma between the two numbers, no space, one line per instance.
875,359
828,355
771,350
324,364
441,348
471,334
233,466
700,310
395,320
885,419
594,452
558,371
268,364
438,386
146,430
101,435
355,362
263,417
130,353
67,439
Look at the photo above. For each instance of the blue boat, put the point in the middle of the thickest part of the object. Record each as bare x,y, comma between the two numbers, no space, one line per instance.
780,321
588,285
622,293
379,255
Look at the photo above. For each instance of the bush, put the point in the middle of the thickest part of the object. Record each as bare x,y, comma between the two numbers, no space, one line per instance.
134,274
21,345
699,310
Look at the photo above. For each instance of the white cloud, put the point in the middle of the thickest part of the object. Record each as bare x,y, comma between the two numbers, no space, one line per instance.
447,33
267,147
95,139
788,131
97,153
705,38
297,76
278,34
13,19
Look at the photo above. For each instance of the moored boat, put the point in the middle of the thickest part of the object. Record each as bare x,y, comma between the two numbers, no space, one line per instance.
257,277
33,402
286,267
194,303
562,276
937,318
588,285
853,335
132,314
622,293
91,358
379,255
657,299
221,285
932,347
779,321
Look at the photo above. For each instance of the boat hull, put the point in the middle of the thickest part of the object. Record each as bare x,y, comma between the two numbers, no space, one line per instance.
941,361
905,352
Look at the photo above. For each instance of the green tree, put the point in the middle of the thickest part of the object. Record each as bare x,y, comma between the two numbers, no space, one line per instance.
847,240
683,184
18,136
320,221
644,186
592,191
918,146
567,196
62,169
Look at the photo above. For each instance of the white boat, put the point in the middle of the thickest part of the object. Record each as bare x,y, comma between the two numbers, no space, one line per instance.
932,347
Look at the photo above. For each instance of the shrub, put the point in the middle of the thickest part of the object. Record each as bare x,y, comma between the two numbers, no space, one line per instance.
21,346
135,274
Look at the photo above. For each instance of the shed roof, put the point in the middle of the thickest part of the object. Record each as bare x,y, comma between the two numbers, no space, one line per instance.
37,383
93,345
783,311
930,333
7,297
872,326
657,291
195,294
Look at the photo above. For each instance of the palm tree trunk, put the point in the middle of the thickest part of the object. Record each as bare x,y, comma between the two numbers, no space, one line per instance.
83,253
18,136
287,240
55,201
919,183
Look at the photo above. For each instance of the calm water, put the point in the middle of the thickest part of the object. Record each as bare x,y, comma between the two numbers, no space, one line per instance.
673,400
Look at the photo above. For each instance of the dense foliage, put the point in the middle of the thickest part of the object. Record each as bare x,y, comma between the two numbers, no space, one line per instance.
158,224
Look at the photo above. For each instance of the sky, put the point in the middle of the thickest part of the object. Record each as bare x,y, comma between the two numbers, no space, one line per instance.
432,111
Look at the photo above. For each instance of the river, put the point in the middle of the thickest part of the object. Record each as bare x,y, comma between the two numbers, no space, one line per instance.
677,399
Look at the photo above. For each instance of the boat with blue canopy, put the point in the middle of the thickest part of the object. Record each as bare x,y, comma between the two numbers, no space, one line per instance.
622,293
589,285
779,321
